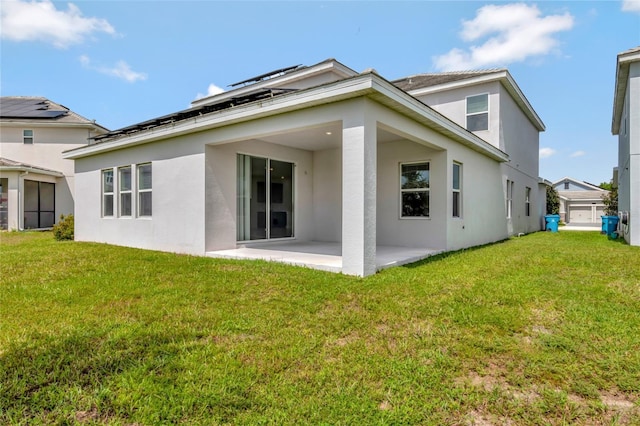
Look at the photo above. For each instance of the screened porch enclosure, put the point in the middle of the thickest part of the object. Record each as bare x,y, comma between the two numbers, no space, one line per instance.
39,204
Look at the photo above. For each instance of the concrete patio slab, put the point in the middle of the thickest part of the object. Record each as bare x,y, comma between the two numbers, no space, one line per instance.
320,255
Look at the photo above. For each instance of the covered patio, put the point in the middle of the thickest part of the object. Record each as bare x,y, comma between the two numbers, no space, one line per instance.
326,256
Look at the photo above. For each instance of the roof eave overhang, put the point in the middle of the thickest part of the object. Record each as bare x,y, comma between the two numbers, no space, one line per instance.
30,169
504,77
369,84
543,181
622,77
35,123
288,78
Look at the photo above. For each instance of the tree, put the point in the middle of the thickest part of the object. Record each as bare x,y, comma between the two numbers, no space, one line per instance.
553,201
610,201
606,185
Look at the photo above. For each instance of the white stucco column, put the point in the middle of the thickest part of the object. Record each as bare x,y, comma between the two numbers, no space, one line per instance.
359,162
634,154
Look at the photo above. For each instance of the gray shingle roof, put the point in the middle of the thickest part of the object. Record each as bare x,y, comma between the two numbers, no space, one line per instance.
419,81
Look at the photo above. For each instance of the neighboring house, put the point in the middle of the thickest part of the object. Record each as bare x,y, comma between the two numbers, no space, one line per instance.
36,183
580,202
626,124
320,155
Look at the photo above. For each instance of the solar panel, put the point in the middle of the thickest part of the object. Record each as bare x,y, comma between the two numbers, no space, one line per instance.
28,108
194,112
265,75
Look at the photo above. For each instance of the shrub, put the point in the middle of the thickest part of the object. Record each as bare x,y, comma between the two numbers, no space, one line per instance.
553,201
610,201
63,230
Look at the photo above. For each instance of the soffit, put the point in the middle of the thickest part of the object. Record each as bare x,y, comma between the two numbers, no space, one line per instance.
622,77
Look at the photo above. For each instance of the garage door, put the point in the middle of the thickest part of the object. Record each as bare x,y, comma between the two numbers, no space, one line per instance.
580,214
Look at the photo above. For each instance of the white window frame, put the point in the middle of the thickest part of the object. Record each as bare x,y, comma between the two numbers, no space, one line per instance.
110,194
468,114
125,191
456,206
509,198
27,139
527,201
426,189
141,190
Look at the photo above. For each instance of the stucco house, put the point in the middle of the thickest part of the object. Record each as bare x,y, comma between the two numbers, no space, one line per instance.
323,166
580,202
626,125
36,183
490,104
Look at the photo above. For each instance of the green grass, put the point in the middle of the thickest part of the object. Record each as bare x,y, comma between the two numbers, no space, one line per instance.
542,329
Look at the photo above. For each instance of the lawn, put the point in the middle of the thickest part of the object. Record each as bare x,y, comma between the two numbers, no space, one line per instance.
541,329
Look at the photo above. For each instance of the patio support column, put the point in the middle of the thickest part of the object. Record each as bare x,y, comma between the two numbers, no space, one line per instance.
359,163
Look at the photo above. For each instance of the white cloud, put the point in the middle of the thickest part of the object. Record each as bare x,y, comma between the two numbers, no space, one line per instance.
211,90
577,154
508,33
121,70
546,152
41,21
631,6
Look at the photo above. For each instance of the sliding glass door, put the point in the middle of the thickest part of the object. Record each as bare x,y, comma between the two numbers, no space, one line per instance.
265,198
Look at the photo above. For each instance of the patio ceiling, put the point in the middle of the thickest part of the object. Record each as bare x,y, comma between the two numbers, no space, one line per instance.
323,137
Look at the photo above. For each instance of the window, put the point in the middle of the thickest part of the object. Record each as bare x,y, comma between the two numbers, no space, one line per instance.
4,203
457,191
478,112
39,204
509,198
527,201
124,181
27,137
107,192
566,185
414,189
144,189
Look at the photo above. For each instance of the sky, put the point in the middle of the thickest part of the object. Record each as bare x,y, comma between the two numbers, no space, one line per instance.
123,62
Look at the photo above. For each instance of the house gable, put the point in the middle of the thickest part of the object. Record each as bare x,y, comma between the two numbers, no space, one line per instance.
424,84
37,183
570,184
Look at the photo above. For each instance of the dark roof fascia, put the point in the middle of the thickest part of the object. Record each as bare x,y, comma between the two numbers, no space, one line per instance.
369,84
624,60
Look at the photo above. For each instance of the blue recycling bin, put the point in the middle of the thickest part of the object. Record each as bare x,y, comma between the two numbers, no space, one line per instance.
609,225
551,222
